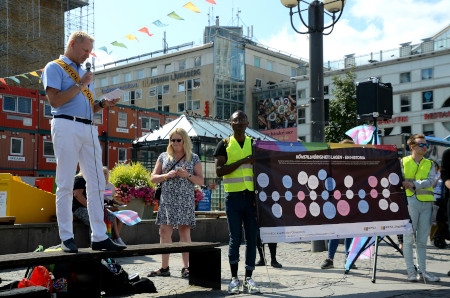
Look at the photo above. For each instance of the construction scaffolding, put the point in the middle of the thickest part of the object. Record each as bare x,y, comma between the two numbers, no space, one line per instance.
33,32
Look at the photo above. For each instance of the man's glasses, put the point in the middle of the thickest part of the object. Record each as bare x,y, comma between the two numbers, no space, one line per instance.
176,140
421,145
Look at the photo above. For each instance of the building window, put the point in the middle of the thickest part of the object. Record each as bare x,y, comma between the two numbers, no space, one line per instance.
115,79
47,109
182,65
326,90
126,97
16,146
145,123
140,74
165,89
293,72
152,91
428,129
122,154
301,116
166,108
98,117
138,94
181,86
405,77
197,61
168,68
269,65
405,129
48,149
154,71
103,82
405,102
257,62
127,77
301,93
196,83
154,123
17,104
196,104
427,100
427,73
181,107
122,119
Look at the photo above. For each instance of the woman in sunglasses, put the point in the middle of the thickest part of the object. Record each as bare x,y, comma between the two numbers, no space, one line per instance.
418,174
179,170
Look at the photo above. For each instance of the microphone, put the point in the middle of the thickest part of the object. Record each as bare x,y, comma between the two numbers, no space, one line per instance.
88,66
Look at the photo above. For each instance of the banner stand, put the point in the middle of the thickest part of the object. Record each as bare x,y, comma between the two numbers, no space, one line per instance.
366,245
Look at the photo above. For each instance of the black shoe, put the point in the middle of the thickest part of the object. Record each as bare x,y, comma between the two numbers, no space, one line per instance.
260,263
327,264
69,246
275,264
107,244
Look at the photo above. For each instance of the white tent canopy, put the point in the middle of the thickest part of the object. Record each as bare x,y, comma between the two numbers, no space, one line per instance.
198,127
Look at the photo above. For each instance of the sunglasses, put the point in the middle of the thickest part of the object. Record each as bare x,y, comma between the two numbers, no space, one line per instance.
176,140
421,145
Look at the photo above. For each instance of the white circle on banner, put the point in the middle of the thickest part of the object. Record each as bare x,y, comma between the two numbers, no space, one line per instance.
348,181
302,178
262,196
277,211
288,196
313,195
287,181
275,196
314,209
386,193
383,204
394,179
384,182
322,174
263,180
313,182
394,207
349,194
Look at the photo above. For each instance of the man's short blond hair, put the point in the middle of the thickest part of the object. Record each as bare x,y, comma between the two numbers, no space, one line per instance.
79,36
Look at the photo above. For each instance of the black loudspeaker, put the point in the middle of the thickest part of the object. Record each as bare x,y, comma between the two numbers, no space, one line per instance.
374,100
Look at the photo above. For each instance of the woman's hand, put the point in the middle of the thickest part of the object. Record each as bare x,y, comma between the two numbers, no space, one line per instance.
171,174
183,173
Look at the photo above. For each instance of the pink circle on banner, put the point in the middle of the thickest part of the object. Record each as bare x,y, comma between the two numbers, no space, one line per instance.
301,195
373,181
343,208
337,194
374,193
300,210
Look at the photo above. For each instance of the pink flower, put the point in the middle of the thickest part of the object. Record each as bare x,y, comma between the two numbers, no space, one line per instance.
198,195
127,193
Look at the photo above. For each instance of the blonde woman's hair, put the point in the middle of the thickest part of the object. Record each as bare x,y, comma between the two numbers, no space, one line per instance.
187,144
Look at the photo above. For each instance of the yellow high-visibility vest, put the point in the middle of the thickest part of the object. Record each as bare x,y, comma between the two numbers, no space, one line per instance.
413,171
241,178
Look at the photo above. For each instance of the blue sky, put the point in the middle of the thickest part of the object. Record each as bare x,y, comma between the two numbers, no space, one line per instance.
365,26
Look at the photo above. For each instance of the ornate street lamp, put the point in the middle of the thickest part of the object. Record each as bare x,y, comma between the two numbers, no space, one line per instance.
315,28
316,11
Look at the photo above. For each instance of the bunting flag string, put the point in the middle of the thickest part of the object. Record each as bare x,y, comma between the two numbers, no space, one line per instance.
131,37
192,7
146,31
159,23
175,16
15,78
119,44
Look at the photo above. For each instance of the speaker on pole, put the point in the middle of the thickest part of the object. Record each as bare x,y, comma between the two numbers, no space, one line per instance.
374,100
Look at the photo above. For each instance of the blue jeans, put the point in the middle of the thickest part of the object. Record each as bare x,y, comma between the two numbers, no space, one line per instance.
420,214
333,244
240,209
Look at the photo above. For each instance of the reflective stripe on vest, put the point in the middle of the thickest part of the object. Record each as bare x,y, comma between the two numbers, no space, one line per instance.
413,172
241,178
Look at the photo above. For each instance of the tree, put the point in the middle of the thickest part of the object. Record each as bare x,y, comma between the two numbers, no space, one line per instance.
342,109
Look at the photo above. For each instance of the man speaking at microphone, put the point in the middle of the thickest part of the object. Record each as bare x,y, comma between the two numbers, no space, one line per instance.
75,140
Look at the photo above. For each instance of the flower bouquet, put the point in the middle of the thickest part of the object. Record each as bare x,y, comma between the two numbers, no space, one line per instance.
198,194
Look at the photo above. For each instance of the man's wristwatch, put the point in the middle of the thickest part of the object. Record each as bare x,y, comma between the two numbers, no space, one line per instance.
190,175
80,85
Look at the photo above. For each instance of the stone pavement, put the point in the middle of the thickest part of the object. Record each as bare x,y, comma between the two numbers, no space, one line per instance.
301,275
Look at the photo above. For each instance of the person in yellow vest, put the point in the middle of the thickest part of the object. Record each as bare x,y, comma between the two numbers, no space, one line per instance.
418,178
234,162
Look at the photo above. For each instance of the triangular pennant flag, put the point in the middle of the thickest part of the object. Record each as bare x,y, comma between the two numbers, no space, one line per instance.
119,44
191,7
105,49
23,76
34,73
211,1
159,23
3,81
145,30
14,79
93,54
173,15
131,37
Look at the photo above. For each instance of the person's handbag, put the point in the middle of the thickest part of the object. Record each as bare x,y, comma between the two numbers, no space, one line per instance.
157,195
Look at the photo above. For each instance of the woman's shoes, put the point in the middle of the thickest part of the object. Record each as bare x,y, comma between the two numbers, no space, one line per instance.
160,272
185,272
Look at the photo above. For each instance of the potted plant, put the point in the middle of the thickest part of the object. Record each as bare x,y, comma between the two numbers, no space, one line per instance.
132,183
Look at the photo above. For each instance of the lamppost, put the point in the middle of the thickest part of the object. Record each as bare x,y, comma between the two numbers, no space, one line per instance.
315,28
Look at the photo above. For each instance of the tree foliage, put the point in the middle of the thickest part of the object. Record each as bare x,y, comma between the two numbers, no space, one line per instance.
342,108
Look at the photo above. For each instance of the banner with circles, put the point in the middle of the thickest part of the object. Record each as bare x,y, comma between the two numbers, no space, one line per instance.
314,192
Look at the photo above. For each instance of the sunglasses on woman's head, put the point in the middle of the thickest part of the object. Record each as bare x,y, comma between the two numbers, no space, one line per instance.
176,140
421,145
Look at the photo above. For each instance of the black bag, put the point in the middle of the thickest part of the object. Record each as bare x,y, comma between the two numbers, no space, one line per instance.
114,278
158,192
